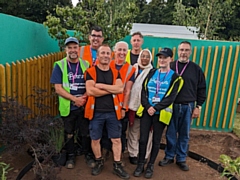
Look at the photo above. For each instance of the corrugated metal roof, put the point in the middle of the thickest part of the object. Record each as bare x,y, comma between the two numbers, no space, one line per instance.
158,30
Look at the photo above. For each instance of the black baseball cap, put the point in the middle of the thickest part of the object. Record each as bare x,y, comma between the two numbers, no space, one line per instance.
167,52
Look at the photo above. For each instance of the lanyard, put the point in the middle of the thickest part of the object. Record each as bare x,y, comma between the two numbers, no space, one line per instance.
75,75
184,68
159,82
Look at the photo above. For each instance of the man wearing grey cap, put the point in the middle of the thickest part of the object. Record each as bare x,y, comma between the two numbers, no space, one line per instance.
69,83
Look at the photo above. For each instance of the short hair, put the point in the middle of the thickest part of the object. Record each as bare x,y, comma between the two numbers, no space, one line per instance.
120,42
96,28
104,45
137,33
186,42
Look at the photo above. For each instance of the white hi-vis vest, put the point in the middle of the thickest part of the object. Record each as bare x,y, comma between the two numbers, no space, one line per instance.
165,114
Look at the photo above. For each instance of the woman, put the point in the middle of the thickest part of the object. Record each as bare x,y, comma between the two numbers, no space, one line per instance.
158,93
143,66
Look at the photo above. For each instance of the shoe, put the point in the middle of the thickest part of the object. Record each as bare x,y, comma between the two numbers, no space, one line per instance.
70,163
149,171
165,162
133,160
119,171
97,169
139,170
90,161
183,166
105,154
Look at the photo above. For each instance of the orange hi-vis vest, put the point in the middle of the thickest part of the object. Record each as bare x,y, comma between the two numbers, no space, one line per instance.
89,108
126,73
86,54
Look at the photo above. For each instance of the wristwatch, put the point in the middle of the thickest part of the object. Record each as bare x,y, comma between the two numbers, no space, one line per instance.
199,107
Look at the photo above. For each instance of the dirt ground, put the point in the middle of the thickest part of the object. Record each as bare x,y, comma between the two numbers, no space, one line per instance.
208,144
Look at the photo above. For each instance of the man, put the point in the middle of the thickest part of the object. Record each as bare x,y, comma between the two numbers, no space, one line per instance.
187,105
127,74
102,86
89,52
136,42
69,83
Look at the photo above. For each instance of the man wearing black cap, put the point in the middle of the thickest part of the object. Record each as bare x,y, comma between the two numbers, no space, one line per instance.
186,106
69,83
159,91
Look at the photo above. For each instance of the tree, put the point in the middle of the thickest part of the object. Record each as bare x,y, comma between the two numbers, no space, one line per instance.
208,16
33,10
114,16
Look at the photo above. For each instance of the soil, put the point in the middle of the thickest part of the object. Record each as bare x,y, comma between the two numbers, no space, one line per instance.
208,144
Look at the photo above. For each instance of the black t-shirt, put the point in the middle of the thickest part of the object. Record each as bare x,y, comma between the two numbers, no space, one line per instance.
133,58
104,103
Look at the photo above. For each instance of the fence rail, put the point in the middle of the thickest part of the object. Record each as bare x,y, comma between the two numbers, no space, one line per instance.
220,66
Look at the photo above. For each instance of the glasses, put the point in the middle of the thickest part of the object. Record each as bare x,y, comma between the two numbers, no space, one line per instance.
96,36
145,56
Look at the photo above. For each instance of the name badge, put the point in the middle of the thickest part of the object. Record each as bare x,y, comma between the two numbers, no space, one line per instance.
73,87
156,99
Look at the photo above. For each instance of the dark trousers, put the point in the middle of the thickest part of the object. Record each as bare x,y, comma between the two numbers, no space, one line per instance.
106,142
146,122
76,123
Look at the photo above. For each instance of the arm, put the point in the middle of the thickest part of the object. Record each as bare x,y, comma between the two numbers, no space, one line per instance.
117,88
167,100
93,90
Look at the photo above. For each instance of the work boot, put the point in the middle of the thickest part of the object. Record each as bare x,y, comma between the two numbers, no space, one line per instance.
119,171
149,171
70,163
183,166
139,170
89,159
133,160
165,162
97,169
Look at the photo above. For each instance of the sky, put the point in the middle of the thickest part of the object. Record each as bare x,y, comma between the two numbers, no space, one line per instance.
76,1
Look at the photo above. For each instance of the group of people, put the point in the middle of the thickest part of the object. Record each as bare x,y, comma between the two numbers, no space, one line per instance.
104,93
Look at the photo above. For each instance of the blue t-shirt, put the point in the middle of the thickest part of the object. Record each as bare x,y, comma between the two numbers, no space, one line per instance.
163,80
94,55
79,81
118,67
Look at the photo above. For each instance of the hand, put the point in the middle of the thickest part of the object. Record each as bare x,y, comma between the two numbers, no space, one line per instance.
151,111
80,101
196,113
123,113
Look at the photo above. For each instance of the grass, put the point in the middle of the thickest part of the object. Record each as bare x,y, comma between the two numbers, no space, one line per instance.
236,126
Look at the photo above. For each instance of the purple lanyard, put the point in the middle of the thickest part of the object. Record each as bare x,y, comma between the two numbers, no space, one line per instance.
159,82
184,68
74,76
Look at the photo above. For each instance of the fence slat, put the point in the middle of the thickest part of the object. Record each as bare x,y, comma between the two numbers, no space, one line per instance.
14,80
3,83
24,82
8,79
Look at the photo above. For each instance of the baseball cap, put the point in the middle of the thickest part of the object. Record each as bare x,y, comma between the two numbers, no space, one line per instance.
167,52
71,39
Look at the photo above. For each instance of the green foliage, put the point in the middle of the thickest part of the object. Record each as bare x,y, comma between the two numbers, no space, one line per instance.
56,136
34,10
231,166
114,16
208,16
4,169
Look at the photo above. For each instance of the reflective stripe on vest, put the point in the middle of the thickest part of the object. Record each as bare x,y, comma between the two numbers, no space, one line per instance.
64,104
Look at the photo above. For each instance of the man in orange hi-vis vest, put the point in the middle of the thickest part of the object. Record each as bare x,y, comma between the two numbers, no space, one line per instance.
103,107
89,52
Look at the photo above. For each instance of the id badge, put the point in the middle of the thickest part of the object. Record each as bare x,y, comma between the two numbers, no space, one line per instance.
155,99
73,87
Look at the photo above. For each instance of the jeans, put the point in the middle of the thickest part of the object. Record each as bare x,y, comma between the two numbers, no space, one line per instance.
146,123
177,134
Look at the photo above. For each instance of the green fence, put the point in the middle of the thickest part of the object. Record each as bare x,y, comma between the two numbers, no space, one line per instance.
220,62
